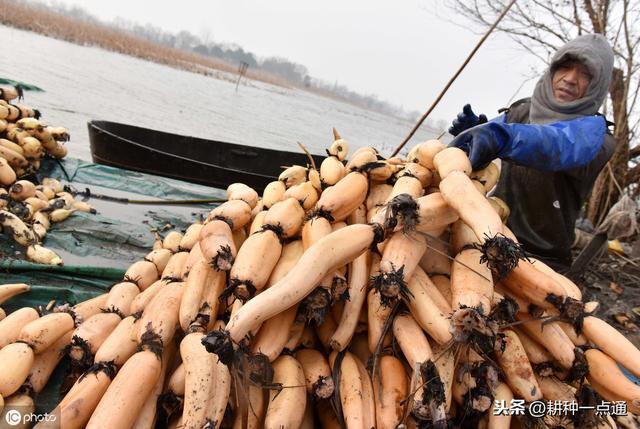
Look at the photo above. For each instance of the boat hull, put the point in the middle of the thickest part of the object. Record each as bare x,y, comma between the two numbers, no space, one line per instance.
191,159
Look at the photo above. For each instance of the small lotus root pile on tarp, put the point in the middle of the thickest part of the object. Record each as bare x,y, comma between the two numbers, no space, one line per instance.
27,209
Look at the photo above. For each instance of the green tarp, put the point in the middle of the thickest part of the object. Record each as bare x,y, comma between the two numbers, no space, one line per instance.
80,172
98,248
25,86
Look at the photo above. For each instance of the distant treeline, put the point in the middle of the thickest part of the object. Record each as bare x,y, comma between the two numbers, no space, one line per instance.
226,55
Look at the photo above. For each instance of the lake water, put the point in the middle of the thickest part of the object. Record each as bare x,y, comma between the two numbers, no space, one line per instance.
83,83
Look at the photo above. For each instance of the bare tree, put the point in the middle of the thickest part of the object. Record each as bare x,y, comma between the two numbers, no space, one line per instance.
541,27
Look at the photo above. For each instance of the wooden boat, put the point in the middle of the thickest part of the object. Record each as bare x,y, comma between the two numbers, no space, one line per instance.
207,162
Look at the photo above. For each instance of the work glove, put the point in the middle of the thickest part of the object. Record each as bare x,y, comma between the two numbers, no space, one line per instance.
551,147
465,120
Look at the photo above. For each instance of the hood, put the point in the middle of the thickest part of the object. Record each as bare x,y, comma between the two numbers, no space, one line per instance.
592,50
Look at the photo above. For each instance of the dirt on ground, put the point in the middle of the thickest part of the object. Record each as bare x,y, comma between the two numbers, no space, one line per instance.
614,281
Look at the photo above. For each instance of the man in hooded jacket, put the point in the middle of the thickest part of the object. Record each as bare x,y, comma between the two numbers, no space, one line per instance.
552,146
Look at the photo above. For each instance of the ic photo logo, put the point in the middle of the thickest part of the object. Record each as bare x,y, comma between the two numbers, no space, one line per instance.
13,417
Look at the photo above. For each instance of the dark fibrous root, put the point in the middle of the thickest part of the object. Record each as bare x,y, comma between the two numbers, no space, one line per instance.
225,220
301,317
219,343
430,424
391,286
134,280
579,368
339,289
407,173
19,209
316,305
80,352
276,229
168,405
109,368
205,309
379,235
151,341
476,402
365,168
479,399
201,322
323,388
260,369
70,378
505,311
501,254
137,315
57,204
535,311
40,309
470,326
588,399
226,293
26,389
171,279
244,290
224,259
571,311
210,424
113,310
403,208
546,369
319,213
66,308
433,394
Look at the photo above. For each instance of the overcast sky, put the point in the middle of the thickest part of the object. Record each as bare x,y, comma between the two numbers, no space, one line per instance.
403,51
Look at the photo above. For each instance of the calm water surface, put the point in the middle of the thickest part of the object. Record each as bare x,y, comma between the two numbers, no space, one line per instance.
83,83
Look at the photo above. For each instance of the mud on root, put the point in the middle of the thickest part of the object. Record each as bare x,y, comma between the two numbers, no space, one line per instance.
316,305
391,286
501,254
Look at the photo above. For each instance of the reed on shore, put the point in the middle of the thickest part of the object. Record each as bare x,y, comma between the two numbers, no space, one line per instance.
51,24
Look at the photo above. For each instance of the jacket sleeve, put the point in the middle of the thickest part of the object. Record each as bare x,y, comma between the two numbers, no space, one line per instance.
557,146
501,118
584,177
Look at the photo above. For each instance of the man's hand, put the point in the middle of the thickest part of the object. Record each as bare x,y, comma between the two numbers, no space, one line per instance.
482,144
465,120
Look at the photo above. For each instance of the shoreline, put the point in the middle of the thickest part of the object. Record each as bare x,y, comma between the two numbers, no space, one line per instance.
50,24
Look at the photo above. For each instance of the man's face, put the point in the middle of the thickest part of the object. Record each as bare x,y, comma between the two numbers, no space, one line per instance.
570,81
